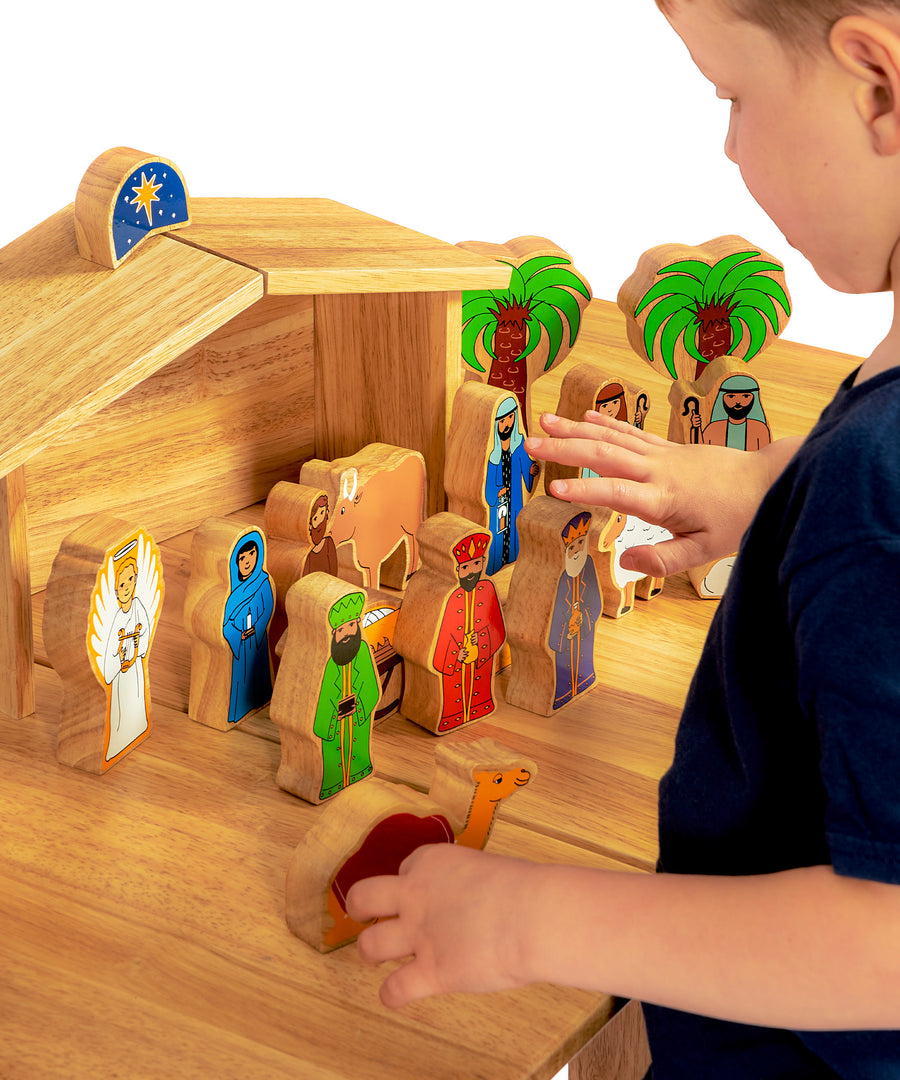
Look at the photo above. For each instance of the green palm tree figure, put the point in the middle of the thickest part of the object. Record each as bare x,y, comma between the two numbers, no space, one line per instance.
710,309
510,323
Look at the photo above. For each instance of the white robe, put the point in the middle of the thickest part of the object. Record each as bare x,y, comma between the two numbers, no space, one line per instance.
127,705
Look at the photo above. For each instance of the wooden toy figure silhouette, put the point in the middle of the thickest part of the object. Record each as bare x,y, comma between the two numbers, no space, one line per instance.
248,610
370,831
109,599
228,607
327,691
552,616
489,477
449,636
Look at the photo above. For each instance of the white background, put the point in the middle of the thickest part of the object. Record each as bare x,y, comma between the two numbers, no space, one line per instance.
482,119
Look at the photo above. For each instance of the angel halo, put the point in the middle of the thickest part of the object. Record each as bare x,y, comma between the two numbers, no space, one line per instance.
125,606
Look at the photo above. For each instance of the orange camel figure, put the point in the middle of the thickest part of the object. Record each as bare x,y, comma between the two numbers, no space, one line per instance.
371,829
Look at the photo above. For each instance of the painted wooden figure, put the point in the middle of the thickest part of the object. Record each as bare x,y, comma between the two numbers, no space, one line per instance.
377,500
512,336
685,306
372,829
228,607
694,314
327,690
614,535
586,386
553,608
295,524
450,628
489,476
379,622
104,597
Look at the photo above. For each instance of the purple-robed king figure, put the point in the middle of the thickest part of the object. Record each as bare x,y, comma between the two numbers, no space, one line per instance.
576,610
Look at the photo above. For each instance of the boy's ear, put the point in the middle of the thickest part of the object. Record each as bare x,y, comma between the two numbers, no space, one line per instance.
870,50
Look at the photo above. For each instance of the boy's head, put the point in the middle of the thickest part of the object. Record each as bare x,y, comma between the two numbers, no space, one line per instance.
803,25
814,87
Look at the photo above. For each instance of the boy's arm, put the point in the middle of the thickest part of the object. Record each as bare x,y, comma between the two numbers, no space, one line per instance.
803,949
705,496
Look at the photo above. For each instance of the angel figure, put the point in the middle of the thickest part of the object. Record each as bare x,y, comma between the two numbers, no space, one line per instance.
125,606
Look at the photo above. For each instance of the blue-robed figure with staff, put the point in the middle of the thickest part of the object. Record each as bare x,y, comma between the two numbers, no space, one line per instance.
510,474
247,613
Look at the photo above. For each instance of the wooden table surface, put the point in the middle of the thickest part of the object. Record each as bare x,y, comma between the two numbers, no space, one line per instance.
141,913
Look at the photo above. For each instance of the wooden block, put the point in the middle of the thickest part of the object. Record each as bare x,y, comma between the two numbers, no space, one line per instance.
589,386
371,829
227,610
124,196
685,306
101,611
513,336
16,634
553,609
327,690
489,475
450,628
296,528
615,535
378,502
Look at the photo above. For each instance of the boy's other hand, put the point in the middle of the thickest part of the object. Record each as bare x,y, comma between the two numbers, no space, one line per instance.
705,496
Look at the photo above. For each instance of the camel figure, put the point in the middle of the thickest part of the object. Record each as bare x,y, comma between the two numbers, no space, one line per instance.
371,828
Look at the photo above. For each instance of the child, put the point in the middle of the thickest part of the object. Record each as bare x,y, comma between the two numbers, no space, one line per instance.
770,944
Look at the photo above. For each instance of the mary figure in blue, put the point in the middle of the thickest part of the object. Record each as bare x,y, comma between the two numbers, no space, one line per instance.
247,613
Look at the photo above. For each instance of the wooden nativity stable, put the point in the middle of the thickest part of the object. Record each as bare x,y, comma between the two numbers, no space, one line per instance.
183,376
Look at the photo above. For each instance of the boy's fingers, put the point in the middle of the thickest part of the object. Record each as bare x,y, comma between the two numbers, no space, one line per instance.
622,496
386,940
373,898
408,983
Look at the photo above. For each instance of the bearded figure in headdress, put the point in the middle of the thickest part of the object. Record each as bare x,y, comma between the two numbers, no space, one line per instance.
471,632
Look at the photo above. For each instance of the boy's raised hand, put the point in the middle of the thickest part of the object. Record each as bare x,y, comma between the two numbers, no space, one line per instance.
704,495
445,913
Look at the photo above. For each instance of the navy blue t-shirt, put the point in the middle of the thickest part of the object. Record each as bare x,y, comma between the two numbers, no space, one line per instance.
788,751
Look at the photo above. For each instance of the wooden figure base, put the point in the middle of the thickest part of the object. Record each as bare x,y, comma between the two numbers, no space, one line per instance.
327,691
371,829
102,607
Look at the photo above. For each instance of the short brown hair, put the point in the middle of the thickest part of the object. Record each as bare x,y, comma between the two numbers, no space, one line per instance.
800,24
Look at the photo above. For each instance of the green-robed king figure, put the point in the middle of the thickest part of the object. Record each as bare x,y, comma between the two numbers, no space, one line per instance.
347,700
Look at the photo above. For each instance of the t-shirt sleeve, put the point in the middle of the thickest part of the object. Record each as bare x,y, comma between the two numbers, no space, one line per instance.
844,607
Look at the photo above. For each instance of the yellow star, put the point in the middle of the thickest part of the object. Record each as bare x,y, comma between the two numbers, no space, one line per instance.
145,196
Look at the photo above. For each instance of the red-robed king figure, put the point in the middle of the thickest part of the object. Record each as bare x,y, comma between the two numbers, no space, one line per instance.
470,634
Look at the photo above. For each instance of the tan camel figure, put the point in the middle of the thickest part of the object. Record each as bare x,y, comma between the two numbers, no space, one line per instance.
371,828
